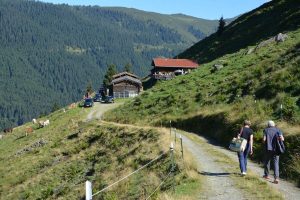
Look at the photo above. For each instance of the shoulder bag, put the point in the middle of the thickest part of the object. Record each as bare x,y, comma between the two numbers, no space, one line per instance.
279,146
238,144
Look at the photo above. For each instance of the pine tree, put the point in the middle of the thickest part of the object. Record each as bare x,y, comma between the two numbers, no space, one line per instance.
128,68
55,107
221,26
111,70
89,89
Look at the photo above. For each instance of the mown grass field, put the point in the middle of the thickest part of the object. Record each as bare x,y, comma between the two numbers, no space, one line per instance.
55,161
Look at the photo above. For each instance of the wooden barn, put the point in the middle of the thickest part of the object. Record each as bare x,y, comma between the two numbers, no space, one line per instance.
126,85
166,68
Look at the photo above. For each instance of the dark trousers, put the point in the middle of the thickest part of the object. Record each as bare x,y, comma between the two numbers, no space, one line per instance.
243,158
270,155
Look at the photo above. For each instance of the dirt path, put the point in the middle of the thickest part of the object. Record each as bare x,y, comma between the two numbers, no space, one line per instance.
288,190
219,181
219,185
99,109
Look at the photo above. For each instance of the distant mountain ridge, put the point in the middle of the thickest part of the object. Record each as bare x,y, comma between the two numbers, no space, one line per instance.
49,53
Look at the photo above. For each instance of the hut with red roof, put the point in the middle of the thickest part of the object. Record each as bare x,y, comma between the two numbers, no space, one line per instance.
167,68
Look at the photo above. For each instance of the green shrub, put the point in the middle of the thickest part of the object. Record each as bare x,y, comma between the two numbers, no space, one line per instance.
289,108
285,107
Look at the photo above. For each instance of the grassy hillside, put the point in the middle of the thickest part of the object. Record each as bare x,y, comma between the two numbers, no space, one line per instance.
257,25
55,161
251,83
49,53
270,76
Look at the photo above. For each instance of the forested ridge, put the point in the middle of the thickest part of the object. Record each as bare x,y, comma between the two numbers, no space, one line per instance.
49,53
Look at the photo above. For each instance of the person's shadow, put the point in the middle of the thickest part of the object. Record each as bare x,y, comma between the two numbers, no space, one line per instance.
219,174
20,137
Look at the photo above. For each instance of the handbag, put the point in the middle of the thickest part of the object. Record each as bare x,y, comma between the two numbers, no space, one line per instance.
238,144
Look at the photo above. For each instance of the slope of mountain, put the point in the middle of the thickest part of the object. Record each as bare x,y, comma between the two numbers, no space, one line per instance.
257,82
250,28
49,53
55,161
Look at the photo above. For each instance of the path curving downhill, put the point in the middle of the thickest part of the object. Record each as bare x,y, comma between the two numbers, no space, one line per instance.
99,109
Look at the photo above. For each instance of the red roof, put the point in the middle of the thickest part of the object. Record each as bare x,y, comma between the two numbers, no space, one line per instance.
181,63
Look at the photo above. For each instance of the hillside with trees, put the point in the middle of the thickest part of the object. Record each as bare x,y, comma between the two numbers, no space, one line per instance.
249,71
49,53
250,28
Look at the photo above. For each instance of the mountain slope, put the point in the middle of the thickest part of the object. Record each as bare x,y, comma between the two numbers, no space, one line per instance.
49,53
257,25
251,83
55,161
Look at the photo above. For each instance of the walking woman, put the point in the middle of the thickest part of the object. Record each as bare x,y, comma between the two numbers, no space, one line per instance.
246,133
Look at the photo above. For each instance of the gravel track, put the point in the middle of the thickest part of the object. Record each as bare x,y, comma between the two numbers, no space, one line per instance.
99,109
220,184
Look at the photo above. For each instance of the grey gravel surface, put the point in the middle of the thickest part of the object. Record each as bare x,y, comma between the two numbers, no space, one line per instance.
221,184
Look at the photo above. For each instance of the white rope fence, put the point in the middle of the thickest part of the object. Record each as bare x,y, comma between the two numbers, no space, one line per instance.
159,185
88,185
89,194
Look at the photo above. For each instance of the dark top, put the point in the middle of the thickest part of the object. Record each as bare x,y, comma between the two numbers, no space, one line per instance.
271,134
246,133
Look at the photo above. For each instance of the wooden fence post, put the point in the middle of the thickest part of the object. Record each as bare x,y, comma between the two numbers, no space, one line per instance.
181,146
170,128
172,165
175,134
88,191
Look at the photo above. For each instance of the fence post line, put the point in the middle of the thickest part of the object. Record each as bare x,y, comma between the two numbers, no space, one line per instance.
181,146
172,165
88,191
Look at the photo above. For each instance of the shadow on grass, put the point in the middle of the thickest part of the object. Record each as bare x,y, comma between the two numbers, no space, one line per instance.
20,137
215,128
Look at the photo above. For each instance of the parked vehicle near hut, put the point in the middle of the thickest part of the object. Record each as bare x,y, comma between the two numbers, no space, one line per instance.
108,99
88,102
97,98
